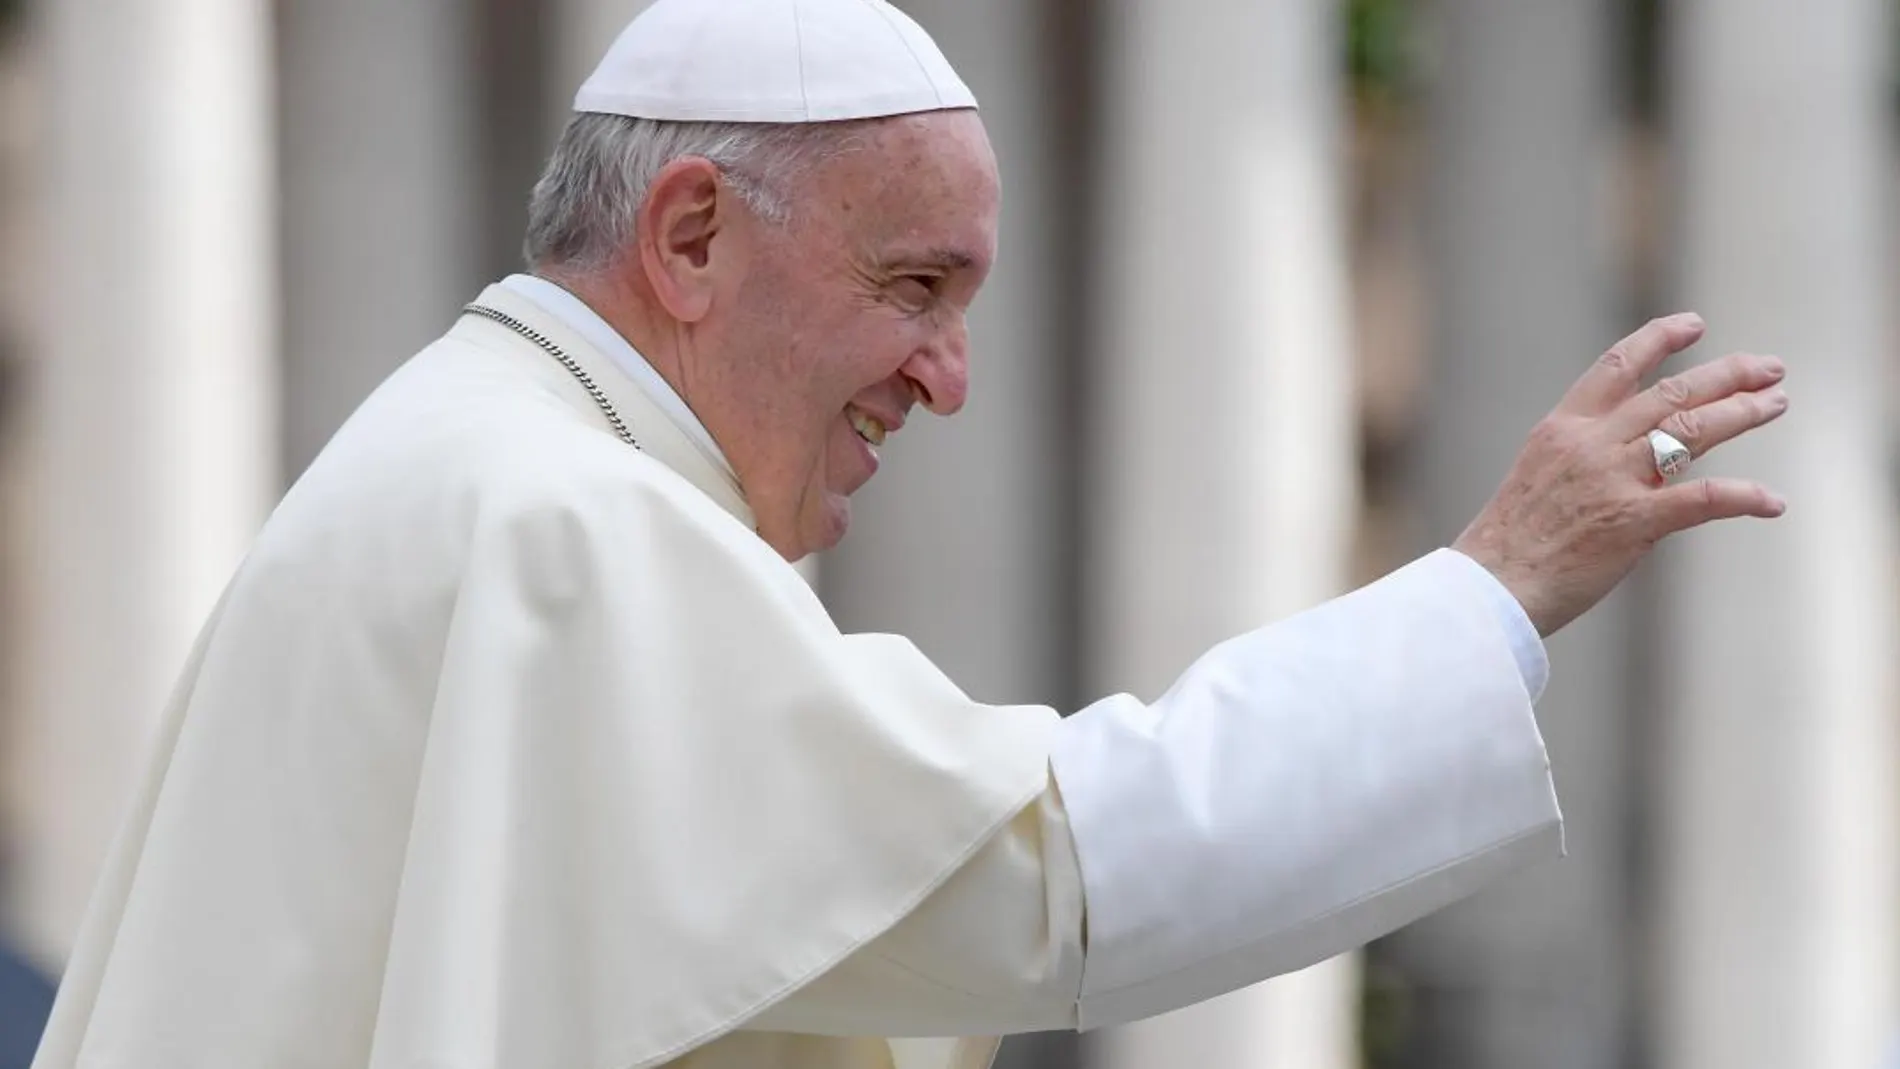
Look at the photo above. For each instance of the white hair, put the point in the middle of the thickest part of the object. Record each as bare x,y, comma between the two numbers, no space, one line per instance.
582,213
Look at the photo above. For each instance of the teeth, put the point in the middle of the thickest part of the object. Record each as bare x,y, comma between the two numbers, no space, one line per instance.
869,428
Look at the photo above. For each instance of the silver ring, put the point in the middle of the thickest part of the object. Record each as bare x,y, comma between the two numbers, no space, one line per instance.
1672,457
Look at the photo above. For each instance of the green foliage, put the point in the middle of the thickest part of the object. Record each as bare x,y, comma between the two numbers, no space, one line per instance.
1379,44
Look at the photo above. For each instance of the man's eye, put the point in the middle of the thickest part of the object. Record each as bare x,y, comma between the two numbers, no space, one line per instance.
917,289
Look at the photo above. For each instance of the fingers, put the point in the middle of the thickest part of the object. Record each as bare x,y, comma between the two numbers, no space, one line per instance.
1692,504
1619,373
1704,428
1692,389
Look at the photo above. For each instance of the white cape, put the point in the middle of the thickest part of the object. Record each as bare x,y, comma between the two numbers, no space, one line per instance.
510,745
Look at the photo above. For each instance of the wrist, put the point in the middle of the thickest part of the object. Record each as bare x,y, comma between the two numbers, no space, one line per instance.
1483,550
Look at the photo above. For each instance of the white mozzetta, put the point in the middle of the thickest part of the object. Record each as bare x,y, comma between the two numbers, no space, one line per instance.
511,745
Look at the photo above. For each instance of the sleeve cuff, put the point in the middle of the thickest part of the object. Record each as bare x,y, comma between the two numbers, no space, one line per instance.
1527,646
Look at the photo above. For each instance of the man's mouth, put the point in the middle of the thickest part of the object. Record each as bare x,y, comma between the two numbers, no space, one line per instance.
869,427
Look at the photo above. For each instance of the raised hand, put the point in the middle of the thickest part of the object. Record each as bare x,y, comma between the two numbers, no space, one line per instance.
1584,501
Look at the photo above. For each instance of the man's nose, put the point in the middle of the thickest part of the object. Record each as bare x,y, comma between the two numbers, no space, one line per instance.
940,372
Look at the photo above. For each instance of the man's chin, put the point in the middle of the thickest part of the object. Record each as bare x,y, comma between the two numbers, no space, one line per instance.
833,525
820,532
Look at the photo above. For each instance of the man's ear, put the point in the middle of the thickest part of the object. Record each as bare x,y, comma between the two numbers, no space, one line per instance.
686,207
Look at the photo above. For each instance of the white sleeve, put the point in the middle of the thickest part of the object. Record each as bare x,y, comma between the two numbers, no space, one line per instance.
1300,790
1305,788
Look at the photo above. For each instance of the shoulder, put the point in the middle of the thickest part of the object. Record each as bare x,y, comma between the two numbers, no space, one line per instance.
584,512
553,489
472,445
569,471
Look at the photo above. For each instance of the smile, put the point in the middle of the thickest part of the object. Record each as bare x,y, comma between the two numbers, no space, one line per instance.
869,427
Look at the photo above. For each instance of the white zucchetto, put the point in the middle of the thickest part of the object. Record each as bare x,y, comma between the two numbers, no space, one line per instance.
772,61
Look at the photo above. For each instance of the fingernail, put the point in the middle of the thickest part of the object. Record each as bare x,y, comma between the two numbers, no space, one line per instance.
1774,368
1778,401
1690,319
1777,504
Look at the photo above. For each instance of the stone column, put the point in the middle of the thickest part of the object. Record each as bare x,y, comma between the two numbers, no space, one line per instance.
1223,439
383,169
1521,295
1778,940
154,404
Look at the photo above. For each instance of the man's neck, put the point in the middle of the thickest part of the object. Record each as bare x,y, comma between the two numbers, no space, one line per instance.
613,326
621,308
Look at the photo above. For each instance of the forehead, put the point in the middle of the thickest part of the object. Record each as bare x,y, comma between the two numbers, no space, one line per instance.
924,181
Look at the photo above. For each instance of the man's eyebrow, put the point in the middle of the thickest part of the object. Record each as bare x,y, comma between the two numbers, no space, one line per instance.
946,259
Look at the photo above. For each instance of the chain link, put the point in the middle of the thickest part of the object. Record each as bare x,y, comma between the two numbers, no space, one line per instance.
566,361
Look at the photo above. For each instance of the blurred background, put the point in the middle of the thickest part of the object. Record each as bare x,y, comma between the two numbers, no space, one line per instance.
1284,284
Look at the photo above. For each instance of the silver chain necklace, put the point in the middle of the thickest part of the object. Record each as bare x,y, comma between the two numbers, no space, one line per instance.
566,361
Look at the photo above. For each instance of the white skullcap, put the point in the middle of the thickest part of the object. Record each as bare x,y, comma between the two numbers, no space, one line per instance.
772,61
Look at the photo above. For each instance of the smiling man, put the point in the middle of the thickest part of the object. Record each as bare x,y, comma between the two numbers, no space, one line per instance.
797,335
518,741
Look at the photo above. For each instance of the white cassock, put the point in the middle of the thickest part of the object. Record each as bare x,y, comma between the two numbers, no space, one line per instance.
511,745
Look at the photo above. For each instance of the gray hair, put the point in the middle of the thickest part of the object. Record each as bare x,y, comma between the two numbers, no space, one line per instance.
582,213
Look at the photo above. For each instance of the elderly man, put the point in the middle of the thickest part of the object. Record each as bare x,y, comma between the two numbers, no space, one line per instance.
518,741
